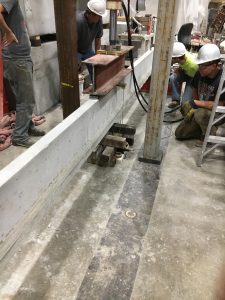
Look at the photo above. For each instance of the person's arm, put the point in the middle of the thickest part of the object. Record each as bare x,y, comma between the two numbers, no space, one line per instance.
9,37
97,44
98,36
207,104
204,104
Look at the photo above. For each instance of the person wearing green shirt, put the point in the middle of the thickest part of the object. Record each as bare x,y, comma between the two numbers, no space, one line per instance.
185,72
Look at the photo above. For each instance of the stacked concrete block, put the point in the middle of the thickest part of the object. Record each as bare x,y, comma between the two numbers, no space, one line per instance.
40,19
46,76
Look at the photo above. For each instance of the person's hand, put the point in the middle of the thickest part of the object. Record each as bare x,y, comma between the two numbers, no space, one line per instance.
189,115
9,38
204,104
186,107
187,111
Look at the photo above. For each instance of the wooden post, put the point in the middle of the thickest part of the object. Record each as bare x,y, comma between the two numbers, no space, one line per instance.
65,19
166,21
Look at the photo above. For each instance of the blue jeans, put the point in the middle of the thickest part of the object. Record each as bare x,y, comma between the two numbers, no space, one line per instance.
176,80
82,56
19,74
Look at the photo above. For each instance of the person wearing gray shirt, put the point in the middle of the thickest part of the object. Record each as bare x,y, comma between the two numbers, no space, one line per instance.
89,30
18,70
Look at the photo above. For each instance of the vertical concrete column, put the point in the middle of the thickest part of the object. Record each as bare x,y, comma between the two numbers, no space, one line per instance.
167,13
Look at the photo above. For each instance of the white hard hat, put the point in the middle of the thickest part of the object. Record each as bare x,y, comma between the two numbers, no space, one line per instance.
98,7
207,53
178,49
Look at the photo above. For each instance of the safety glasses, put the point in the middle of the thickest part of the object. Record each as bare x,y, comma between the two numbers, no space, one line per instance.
205,65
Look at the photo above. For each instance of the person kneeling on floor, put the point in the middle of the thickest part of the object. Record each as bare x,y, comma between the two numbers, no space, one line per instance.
184,73
205,85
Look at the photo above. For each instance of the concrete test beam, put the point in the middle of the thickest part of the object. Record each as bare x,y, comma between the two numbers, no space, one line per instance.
33,178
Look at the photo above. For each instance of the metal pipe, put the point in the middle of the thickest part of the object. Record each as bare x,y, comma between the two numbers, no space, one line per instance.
113,27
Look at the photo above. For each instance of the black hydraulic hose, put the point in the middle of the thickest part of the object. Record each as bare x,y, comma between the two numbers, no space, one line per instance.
131,52
127,15
136,92
169,112
136,87
131,56
173,109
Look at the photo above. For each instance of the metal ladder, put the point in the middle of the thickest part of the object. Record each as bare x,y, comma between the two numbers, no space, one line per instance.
214,140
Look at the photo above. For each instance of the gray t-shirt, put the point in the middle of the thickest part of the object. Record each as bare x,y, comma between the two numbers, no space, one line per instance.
15,20
86,33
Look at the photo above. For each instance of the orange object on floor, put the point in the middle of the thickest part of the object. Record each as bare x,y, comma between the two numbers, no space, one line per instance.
1,86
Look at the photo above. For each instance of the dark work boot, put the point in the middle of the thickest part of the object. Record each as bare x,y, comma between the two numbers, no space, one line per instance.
174,104
27,143
36,132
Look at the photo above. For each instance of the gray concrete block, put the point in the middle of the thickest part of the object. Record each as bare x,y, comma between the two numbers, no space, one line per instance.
46,76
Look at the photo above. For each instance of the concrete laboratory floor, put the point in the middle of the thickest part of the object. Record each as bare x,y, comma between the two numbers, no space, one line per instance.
121,233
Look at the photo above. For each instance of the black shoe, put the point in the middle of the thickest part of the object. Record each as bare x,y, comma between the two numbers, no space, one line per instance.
36,132
174,104
27,143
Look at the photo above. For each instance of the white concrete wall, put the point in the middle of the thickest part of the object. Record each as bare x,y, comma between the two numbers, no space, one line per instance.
195,11
39,16
30,180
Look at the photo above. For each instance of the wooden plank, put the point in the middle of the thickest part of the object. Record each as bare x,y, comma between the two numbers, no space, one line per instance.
129,137
115,141
107,158
122,51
